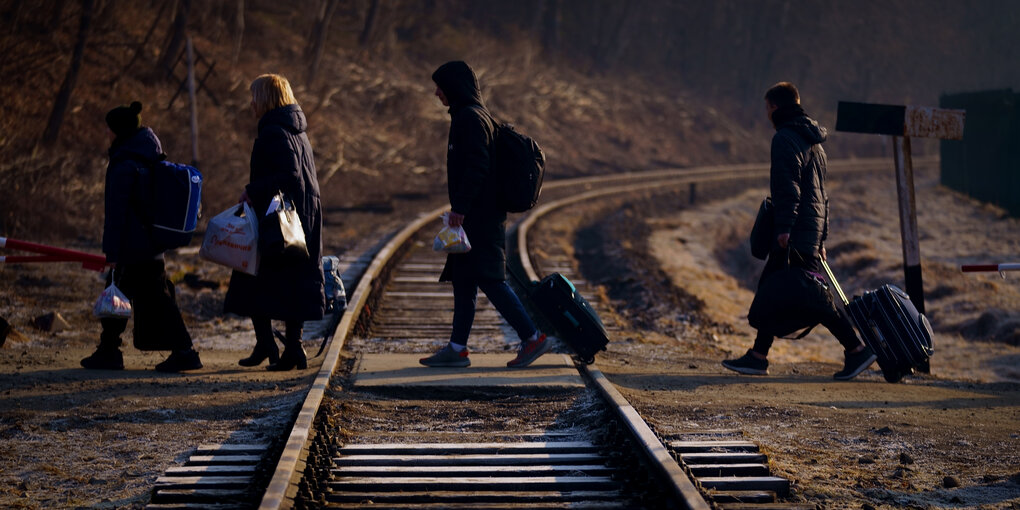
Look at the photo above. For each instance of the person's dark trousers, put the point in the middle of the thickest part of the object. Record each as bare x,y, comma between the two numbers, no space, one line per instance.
264,332
153,306
835,319
502,297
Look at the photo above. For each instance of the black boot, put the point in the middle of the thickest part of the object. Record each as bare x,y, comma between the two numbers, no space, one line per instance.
293,357
262,352
105,358
107,355
179,361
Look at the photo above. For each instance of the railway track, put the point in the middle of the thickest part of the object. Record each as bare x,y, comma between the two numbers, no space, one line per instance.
613,460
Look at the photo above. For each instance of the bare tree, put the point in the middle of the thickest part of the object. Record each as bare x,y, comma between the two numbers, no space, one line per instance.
58,14
370,18
16,10
317,39
553,18
177,39
71,78
611,38
238,30
140,49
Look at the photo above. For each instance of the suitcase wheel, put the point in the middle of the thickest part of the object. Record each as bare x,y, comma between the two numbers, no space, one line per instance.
587,360
893,377
897,375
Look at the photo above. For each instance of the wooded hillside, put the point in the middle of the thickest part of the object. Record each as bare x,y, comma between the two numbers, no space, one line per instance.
603,85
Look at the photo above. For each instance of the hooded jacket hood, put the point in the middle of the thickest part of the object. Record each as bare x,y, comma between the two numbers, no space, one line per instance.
141,146
808,129
289,117
458,82
793,117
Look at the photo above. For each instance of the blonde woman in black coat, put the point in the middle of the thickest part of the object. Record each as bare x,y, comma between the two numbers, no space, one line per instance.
286,289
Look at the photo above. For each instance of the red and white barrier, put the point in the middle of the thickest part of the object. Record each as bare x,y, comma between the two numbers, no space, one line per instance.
49,254
991,268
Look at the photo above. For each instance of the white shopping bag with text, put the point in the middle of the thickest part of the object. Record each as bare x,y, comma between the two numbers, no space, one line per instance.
232,239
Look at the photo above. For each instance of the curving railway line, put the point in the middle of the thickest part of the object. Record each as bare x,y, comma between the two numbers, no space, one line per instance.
607,457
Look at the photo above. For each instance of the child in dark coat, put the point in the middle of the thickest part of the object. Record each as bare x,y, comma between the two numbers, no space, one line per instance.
138,267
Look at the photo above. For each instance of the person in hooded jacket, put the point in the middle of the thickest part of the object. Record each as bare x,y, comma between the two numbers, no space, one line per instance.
138,270
475,205
797,186
286,288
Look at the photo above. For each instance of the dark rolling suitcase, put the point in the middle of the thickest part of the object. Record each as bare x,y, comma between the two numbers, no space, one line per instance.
571,315
891,325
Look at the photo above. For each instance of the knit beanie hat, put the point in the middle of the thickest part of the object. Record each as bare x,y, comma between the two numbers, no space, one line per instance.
125,120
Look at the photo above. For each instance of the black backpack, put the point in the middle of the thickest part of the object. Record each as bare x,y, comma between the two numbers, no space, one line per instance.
519,165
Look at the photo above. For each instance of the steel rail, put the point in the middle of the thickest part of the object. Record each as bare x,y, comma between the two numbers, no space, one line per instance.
283,484
678,485
681,486
663,179
869,163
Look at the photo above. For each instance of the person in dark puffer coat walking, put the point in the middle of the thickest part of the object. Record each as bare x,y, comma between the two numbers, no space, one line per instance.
139,269
475,204
286,289
797,185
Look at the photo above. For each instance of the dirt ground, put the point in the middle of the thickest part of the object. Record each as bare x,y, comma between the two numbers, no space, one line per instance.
81,439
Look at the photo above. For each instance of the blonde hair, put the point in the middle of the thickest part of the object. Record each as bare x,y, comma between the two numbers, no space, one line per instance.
270,91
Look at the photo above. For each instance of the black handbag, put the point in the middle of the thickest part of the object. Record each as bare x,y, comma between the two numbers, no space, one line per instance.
790,302
280,232
763,233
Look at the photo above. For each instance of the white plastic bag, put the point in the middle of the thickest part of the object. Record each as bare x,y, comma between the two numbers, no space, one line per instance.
232,240
112,304
451,239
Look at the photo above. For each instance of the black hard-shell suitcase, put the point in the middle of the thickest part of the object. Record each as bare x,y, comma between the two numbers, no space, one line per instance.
891,325
571,315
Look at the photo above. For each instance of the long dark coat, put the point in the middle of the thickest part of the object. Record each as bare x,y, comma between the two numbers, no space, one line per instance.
471,190
125,232
281,160
797,181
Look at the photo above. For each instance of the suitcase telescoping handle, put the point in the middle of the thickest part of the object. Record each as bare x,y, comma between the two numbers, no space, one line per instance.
832,279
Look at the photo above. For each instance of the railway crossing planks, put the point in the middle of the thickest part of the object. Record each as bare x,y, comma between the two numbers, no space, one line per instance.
731,471
217,477
535,474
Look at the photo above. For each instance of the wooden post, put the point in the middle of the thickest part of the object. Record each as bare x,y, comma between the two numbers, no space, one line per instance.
908,221
908,227
194,107
903,122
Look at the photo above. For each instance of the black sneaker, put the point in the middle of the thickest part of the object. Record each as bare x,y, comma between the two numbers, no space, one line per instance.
748,364
104,359
855,364
180,361
447,357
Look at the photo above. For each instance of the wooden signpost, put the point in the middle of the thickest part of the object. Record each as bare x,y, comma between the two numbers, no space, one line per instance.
902,123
